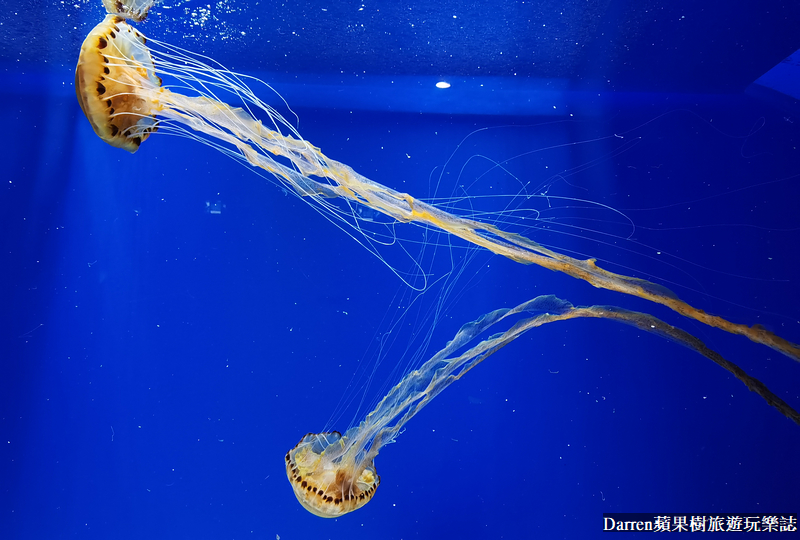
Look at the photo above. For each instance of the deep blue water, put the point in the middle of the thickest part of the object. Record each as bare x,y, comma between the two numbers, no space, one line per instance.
159,358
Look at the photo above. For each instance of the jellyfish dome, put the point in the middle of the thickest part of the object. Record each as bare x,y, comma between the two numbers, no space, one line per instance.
329,475
115,81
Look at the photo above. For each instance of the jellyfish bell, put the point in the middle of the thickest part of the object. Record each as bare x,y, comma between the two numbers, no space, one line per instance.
115,82
327,477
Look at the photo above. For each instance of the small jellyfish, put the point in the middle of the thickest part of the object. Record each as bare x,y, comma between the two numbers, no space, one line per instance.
332,474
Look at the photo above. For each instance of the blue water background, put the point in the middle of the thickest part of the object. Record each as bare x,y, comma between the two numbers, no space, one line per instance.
159,359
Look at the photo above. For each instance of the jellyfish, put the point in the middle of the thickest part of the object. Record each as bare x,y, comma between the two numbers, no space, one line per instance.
333,474
118,82
129,9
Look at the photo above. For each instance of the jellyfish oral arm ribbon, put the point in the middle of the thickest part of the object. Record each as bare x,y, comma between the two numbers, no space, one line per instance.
343,181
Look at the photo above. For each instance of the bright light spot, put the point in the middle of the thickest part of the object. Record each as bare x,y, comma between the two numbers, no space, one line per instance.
442,84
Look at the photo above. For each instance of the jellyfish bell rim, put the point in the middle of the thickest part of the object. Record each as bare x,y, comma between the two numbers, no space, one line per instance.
113,73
